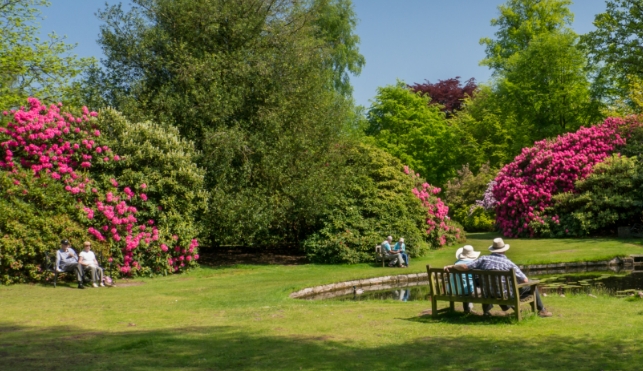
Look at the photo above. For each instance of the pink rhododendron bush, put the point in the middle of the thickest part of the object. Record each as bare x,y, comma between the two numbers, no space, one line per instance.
134,192
380,197
526,188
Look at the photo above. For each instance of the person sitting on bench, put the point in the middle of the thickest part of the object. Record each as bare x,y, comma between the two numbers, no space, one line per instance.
465,255
497,261
88,262
67,261
390,254
400,247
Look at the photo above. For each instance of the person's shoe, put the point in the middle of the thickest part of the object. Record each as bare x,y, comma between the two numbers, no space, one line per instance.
102,284
544,313
94,284
80,286
486,314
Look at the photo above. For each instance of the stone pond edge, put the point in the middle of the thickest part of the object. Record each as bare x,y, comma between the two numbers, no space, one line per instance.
414,277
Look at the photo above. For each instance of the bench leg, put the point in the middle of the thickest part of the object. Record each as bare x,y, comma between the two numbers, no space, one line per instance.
452,306
55,278
533,306
434,308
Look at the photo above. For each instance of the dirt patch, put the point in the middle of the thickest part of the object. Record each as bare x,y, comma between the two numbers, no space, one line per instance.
217,258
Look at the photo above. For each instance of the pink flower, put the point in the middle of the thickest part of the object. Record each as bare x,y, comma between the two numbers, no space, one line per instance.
143,196
143,186
164,247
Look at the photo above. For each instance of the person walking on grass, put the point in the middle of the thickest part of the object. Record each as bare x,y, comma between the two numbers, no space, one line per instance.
465,255
392,255
497,261
88,262
67,261
400,247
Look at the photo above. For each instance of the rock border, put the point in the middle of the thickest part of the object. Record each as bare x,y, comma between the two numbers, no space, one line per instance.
412,279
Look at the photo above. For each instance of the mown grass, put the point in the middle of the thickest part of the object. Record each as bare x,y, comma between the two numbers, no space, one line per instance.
241,318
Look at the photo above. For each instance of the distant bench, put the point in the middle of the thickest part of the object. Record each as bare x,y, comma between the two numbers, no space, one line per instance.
488,288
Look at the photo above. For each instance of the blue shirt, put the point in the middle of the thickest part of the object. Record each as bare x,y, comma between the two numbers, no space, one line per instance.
386,246
464,283
399,247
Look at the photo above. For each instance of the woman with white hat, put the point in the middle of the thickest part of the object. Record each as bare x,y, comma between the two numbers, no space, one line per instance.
465,255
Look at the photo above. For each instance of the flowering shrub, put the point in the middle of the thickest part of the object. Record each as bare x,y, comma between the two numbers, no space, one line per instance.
60,148
462,194
379,197
526,186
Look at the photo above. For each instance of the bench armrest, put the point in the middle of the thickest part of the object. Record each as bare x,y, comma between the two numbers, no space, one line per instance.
530,283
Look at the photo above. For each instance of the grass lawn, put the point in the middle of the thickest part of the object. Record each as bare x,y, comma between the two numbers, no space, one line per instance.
241,318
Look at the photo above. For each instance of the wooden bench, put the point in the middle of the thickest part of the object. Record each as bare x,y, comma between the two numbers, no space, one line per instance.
381,255
489,287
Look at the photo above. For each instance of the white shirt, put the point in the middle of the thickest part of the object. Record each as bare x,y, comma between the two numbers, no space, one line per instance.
88,258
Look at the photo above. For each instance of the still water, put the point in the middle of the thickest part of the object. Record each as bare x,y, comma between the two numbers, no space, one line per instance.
604,282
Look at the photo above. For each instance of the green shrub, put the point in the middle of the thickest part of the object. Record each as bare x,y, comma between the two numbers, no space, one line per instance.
34,215
610,197
462,194
376,200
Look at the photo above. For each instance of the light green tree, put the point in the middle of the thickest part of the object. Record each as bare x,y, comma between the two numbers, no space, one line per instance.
616,49
403,124
540,78
30,66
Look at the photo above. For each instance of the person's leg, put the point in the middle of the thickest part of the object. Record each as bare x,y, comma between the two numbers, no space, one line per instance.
92,273
79,272
400,261
524,292
467,307
99,276
486,308
405,256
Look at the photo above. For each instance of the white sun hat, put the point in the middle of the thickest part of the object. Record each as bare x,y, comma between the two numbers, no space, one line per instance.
467,252
499,245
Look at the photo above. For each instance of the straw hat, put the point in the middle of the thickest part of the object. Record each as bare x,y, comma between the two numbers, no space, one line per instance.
467,252
499,245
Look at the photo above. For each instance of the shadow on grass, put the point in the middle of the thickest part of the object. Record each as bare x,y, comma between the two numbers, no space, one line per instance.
230,348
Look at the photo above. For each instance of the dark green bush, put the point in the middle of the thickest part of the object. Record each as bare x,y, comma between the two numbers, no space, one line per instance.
376,200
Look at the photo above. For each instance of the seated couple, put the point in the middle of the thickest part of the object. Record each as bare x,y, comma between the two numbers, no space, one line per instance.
397,254
467,258
68,261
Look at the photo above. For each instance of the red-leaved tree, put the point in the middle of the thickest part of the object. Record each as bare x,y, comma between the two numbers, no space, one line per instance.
449,93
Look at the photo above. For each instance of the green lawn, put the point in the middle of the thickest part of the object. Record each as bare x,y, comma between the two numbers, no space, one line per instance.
241,318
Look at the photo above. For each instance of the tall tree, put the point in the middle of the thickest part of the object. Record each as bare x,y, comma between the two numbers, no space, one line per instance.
29,66
616,48
539,69
449,93
255,84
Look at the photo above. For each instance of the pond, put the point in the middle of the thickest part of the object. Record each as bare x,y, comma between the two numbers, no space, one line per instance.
596,282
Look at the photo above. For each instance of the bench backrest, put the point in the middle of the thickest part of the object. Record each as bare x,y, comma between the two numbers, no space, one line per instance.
378,249
478,284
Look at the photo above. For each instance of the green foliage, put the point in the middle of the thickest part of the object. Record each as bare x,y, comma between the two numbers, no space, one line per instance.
610,197
34,214
29,66
461,194
336,20
519,23
258,86
541,87
375,200
403,124
485,133
615,48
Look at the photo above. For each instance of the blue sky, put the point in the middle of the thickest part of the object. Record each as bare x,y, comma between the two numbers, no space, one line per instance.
411,40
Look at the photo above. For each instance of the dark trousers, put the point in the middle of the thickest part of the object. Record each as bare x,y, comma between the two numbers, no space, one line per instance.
75,267
524,292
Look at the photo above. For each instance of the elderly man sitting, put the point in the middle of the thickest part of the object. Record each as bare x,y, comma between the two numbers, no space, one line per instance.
497,261
67,261
390,253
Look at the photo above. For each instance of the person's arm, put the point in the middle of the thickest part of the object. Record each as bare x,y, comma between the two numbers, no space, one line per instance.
458,267
522,278
81,259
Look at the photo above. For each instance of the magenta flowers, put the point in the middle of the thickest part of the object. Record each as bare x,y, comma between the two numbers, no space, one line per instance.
524,187
50,143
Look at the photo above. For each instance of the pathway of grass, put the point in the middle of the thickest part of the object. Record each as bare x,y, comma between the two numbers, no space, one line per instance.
241,318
